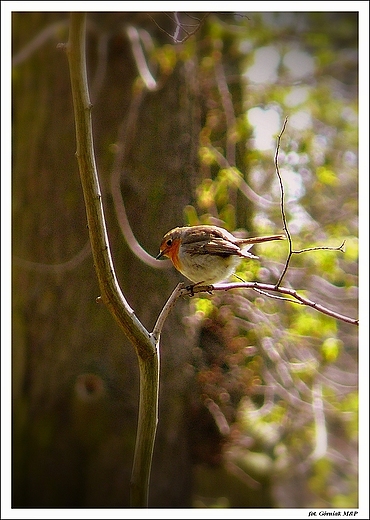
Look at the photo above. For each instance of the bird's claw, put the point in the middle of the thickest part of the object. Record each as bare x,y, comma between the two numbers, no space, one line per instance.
190,288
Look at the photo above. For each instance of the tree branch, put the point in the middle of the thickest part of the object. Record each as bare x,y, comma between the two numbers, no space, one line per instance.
146,347
285,224
182,26
265,288
140,60
178,291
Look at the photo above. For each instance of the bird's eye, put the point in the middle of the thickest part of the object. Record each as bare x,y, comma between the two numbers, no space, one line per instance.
169,242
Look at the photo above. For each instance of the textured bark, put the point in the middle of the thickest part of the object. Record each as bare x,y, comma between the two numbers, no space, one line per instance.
75,378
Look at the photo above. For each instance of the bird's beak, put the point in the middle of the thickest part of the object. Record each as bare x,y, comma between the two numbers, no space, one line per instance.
160,254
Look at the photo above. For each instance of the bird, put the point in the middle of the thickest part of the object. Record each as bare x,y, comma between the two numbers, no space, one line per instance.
207,254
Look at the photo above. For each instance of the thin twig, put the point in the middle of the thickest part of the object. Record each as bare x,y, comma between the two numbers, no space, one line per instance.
190,291
285,224
181,26
321,248
178,26
275,297
168,306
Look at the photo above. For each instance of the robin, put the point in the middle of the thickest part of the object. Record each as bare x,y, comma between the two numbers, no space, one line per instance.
207,254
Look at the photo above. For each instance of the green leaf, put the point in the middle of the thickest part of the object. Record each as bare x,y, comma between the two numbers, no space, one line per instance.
327,176
330,349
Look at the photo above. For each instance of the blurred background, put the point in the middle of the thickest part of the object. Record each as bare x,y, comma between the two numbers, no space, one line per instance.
258,397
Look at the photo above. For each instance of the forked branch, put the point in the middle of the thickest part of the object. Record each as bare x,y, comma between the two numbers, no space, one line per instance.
282,293
145,345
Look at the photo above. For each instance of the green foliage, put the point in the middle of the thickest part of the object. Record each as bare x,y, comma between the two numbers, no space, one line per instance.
327,176
282,411
166,57
330,349
310,323
203,307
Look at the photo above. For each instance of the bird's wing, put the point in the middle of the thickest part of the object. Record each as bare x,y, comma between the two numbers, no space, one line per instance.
217,246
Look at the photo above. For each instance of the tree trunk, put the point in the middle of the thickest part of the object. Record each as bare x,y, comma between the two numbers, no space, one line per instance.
75,377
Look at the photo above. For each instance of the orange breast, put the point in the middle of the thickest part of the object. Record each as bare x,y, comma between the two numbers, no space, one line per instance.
173,253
